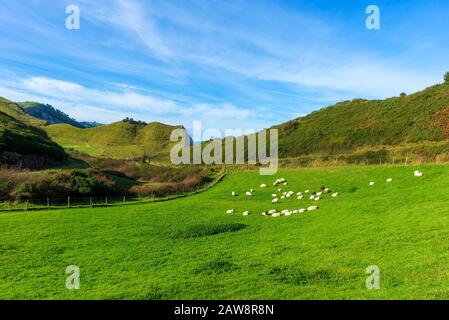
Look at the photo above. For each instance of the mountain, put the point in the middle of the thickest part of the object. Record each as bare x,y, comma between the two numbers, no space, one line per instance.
125,139
48,114
88,124
347,126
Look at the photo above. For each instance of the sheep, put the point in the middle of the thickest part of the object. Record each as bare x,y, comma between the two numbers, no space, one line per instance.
300,197
275,215
299,193
326,190
249,194
279,190
283,197
389,179
246,213
302,210
295,211
263,185
371,183
274,195
284,211
252,190
230,211
418,173
234,194
311,197
334,195
317,198
264,214
318,194
287,214
307,191
312,208
272,211
275,200
285,183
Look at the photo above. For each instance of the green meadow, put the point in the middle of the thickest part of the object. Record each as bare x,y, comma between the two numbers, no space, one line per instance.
189,248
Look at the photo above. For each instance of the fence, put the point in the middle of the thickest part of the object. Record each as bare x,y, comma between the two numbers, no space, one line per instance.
91,202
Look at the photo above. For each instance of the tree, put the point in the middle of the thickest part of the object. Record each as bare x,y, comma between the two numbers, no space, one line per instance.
403,94
446,77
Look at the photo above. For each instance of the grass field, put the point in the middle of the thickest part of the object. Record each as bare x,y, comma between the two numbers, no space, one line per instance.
191,249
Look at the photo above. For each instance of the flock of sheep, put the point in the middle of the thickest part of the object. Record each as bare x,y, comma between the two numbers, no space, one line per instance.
315,196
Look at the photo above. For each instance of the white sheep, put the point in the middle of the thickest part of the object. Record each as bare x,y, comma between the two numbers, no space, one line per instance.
234,194
246,213
274,195
312,208
272,211
230,211
299,193
252,190
307,191
418,173
275,200
301,210
317,198
300,197
249,194
283,197
389,179
287,214
371,183
264,214
263,185
275,215
311,197
279,190
334,195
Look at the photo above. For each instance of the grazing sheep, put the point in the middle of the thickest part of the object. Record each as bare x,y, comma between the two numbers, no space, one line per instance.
307,191
317,198
318,194
326,190
312,208
246,213
230,211
311,197
295,211
279,190
272,211
371,183
283,197
334,195
389,179
275,215
252,190
275,200
285,183
301,210
299,193
233,194
263,185
418,173
274,195
264,214
287,214
300,197
249,194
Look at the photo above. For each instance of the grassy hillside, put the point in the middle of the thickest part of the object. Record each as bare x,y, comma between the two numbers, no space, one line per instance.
191,249
48,114
14,110
18,137
346,126
124,139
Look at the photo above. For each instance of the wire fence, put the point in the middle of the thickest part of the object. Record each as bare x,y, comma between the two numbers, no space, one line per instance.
91,202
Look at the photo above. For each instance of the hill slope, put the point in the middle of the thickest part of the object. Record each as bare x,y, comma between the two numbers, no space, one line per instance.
19,141
48,114
14,110
346,126
124,139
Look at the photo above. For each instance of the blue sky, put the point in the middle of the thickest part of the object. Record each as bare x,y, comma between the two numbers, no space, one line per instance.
230,64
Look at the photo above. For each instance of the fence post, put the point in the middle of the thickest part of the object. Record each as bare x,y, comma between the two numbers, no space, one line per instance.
48,202
91,202
124,199
106,200
26,205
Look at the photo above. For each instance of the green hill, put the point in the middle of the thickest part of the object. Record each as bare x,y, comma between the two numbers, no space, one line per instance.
350,125
17,112
25,141
48,114
124,139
